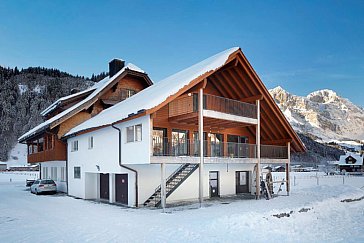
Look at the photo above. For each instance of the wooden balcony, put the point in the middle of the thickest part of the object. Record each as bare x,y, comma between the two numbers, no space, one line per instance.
48,155
227,111
58,152
218,151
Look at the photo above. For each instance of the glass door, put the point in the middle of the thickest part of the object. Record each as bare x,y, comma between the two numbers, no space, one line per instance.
179,142
237,146
159,141
216,144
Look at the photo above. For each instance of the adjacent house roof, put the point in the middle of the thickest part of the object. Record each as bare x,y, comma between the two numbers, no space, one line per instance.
357,157
98,87
58,102
156,94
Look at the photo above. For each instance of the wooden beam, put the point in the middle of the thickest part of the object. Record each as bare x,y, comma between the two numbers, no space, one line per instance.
218,87
245,92
275,142
228,85
222,87
252,98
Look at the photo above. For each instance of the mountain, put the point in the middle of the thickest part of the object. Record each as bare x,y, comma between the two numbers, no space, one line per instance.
322,114
24,93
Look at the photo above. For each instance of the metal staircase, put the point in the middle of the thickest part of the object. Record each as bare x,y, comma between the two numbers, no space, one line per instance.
172,183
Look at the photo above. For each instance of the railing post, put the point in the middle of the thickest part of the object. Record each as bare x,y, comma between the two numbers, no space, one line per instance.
200,134
258,151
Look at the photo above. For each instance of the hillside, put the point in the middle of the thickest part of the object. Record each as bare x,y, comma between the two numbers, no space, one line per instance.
323,120
322,114
24,93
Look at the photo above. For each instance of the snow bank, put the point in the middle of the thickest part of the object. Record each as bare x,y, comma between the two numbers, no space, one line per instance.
316,214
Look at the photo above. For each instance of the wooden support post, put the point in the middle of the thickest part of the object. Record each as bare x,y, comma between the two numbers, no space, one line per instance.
200,134
163,186
288,168
257,134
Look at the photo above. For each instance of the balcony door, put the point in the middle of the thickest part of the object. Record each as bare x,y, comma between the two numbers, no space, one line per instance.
196,144
216,144
160,142
179,142
237,146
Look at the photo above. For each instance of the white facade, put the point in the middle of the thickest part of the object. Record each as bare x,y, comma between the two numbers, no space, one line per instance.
103,158
57,171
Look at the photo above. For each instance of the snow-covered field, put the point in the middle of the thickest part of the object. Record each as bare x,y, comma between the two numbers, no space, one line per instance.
316,215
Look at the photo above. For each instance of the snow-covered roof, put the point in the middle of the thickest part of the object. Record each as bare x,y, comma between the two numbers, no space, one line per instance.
357,157
98,88
155,94
55,104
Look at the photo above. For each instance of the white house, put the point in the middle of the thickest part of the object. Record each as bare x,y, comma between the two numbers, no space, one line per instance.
146,149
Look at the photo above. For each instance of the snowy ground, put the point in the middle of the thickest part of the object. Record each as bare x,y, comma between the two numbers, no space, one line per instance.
17,156
25,217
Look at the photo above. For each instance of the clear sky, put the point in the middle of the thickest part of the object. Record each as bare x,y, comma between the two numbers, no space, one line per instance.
300,45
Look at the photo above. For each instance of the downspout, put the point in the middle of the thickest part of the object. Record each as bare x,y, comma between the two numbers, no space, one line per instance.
126,167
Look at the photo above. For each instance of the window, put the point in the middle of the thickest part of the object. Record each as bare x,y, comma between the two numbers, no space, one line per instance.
74,146
130,134
63,174
77,172
50,142
138,132
54,173
134,133
90,142
130,92
40,144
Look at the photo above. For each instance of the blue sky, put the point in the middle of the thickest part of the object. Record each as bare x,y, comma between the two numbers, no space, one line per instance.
300,45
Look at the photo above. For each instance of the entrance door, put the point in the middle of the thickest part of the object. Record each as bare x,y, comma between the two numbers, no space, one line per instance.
214,183
121,185
242,181
104,186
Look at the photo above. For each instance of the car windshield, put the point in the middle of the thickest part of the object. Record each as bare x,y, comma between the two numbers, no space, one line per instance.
37,182
48,182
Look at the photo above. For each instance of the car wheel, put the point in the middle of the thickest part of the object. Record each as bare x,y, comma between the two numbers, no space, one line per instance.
36,192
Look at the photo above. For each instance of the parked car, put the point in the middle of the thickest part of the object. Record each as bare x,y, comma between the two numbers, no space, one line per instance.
29,182
42,186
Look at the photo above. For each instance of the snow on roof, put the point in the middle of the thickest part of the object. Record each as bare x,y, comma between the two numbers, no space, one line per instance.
64,98
155,94
99,86
359,159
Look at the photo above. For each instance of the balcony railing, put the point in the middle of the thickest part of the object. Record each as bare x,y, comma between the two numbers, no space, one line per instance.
189,104
174,147
229,106
273,152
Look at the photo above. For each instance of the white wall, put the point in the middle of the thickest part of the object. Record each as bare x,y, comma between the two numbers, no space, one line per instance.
61,184
149,179
104,157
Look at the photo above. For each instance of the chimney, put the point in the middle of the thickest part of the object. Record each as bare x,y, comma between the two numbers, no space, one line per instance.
115,66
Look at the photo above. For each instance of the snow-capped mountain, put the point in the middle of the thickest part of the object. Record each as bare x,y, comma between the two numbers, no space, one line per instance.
323,114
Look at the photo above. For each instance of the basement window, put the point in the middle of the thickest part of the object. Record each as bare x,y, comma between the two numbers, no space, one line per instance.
77,172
